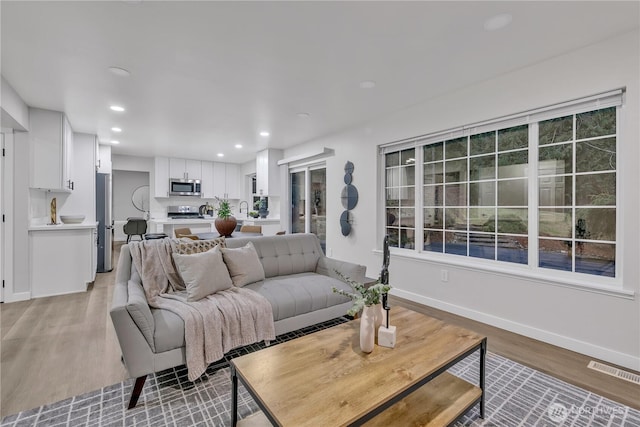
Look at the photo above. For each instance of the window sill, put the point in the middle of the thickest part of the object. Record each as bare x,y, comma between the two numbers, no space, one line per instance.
522,273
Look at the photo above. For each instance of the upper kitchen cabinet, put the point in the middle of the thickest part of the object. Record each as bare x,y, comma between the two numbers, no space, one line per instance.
161,177
268,172
220,180
50,150
103,158
185,169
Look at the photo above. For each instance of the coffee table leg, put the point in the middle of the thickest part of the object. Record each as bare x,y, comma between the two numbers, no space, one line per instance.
483,353
234,397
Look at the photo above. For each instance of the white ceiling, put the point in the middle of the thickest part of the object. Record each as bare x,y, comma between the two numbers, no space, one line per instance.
208,75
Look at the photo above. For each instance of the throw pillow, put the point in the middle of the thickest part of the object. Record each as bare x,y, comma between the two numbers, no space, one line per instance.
243,264
187,246
203,273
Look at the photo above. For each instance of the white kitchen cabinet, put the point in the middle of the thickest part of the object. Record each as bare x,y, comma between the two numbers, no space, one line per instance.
103,164
220,180
225,180
161,177
233,183
50,150
206,181
61,260
185,168
268,172
94,253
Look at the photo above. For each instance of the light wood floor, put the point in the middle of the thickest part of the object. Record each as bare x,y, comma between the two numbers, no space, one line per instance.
57,347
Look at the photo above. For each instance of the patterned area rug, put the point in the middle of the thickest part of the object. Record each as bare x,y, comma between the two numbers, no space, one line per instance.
516,396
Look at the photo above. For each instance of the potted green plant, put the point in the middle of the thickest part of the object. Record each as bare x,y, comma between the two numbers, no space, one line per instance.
226,222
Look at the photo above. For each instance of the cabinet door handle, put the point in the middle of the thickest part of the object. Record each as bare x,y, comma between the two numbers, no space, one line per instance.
73,184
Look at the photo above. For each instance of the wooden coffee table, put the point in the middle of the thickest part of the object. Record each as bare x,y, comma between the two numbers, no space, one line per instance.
323,379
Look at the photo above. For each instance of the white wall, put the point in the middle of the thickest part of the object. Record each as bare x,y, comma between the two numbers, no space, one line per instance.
15,113
124,184
602,325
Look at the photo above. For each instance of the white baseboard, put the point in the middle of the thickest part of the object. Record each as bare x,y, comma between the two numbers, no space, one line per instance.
19,296
602,353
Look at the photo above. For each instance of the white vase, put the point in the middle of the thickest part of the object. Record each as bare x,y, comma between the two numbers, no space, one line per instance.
368,328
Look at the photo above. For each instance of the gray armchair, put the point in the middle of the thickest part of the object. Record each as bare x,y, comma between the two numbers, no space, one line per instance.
135,227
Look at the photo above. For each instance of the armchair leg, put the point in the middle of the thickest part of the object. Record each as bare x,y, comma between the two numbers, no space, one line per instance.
137,389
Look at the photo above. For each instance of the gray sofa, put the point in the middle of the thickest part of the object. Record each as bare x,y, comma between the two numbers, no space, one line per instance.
298,284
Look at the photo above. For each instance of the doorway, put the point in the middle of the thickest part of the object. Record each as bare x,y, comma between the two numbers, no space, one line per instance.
308,193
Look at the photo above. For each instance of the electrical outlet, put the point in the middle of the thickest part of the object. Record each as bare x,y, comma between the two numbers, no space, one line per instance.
444,275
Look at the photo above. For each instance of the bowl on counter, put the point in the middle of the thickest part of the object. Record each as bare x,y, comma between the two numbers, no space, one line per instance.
72,219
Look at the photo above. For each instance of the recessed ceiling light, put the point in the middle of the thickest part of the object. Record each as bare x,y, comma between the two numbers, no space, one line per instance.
117,108
238,145
303,115
116,129
367,84
220,155
115,142
264,133
119,71
497,22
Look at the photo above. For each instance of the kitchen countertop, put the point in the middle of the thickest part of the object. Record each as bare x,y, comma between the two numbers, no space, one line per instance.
61,226
182,220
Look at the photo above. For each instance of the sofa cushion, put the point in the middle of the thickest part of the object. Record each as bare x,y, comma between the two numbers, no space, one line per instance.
139,310
169,333
243,264
203,273
300,293
282,256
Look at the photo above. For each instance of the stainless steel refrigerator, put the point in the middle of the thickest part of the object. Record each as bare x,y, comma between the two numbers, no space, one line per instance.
105,224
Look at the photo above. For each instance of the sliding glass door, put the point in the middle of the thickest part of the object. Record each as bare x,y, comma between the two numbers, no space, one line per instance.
309,184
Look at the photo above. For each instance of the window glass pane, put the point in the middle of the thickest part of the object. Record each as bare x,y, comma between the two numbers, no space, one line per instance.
456,170
556,130
512,138
482,193
596,155
455,218
407,217
482,167
392,159
455,243
407,238
483,143
392,216
596,123
482,219
408,157
392,177
513,165
394,237
456,148
554,222
596,258
555,191
555,160
393,197
433,240
407,175
482,245
433,218
433,173
433,195
513,249
407,196
596,224
513,221
597,189
455,194
513,192
555,254
433,152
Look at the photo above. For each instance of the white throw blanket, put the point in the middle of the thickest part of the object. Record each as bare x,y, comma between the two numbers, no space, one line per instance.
213,325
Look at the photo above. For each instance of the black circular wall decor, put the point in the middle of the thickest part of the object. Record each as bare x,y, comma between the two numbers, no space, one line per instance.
349,198
345,225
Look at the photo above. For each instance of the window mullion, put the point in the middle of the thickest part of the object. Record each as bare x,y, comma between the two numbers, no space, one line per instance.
533,196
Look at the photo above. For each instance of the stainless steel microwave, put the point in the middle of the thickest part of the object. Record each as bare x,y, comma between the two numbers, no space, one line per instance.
184,187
